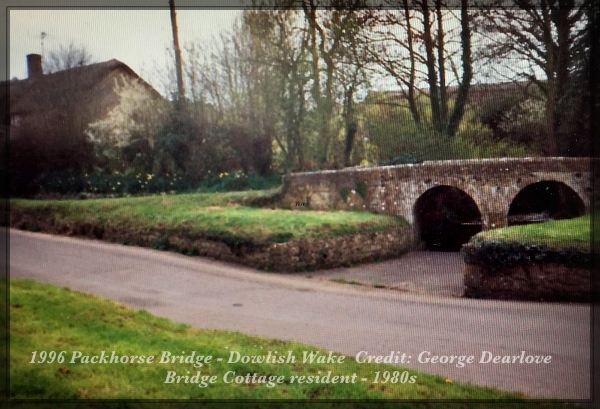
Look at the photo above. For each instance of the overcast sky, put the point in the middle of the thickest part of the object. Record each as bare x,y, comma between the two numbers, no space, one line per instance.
136,37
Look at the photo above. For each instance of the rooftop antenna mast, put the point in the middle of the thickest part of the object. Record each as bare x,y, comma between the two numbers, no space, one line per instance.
42,36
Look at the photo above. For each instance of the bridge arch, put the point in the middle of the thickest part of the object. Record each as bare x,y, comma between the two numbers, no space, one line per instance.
546,199
445,217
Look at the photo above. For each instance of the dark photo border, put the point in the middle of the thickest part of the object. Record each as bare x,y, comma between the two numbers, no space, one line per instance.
232,4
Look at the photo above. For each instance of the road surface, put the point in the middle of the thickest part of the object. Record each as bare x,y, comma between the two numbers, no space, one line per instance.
418,272
338,317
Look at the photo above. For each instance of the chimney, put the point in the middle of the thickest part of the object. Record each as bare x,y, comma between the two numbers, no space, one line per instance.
34,65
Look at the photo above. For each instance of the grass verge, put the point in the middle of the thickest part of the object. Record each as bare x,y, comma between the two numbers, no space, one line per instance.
49,318
227,214
573,233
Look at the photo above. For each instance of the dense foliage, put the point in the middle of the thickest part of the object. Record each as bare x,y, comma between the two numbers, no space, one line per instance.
101,183
494,255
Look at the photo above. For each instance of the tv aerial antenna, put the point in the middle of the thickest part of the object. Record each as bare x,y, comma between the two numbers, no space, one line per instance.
43,35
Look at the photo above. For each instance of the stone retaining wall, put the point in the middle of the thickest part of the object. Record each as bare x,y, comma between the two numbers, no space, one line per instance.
537,281
513,271
291,256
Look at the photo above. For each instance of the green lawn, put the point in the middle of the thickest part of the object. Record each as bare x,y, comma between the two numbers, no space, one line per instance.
554,233
49,318
220,213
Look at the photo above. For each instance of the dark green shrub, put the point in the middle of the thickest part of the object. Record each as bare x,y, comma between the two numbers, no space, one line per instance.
344,193
104,183
161,244
62,182
237,180
400,160
281,237
361,188
494,255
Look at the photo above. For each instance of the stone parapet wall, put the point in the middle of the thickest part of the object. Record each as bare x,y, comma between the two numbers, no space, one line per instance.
491,183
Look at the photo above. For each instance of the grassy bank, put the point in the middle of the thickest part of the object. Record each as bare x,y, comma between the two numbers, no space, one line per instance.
555,233
549,261
49,318
217,213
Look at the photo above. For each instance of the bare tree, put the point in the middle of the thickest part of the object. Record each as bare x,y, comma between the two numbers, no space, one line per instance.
413,46
467,71
538,37
66,58
337,49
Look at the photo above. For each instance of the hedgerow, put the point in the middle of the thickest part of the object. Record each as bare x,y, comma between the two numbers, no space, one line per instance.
102,183
495,255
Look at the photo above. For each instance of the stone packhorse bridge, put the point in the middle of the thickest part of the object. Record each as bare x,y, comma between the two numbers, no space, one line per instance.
449,201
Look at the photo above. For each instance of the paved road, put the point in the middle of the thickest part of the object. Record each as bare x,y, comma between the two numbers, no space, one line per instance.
419,272
339,317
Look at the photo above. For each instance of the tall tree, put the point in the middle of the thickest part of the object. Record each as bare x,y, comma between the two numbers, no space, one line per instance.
321,50
542,36
337,53
256,79
353,73
577,103
436,72
467,71
392,41
414,46
333,48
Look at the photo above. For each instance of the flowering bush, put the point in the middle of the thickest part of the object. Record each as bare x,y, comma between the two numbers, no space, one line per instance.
238,180
139,112
119,184
102,183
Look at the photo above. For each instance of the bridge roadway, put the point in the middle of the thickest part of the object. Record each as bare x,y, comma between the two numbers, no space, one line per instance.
343,318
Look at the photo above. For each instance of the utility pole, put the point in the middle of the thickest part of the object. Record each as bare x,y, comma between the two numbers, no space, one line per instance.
178,67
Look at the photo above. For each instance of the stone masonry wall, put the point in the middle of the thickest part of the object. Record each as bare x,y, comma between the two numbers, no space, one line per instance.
295,255
533,281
